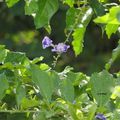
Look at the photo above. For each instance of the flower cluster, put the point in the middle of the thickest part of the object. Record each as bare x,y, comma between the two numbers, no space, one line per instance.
100,117
59,48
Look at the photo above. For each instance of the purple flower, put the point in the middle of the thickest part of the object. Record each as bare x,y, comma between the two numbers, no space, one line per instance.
100,117
46,42
60,48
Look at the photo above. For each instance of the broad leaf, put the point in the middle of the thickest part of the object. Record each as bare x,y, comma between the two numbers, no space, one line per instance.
101,86
10,3
3,85
47,9
43,81
67,90
15,57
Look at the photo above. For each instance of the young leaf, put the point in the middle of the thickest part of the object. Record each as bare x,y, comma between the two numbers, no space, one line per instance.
69,2
10,3
111,29
101,86
78,37
47,9
79,30
26,103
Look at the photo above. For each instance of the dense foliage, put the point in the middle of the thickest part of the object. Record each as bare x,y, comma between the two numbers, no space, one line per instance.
34,90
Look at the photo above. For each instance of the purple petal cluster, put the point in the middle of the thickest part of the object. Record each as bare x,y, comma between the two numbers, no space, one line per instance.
100,117
46,42
59,48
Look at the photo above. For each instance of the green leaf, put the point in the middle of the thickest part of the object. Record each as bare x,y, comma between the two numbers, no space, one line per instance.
40,116
101,86
3,53
78,37
44,66
20,94
109,18
97,7
31,7
43,81
38,59
111,29
47,9
10,3
15,57
78,22
26,103
71,16
75,112
55,80
103,19
3,85
92,111
76,78
67,90
115,55
69,2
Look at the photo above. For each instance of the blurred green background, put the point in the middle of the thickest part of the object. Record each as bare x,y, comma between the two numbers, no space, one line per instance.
18,33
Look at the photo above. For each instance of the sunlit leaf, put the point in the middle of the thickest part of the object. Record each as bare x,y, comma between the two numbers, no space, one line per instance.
10,3
111,29
26,103
69,2
79,29
78,38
